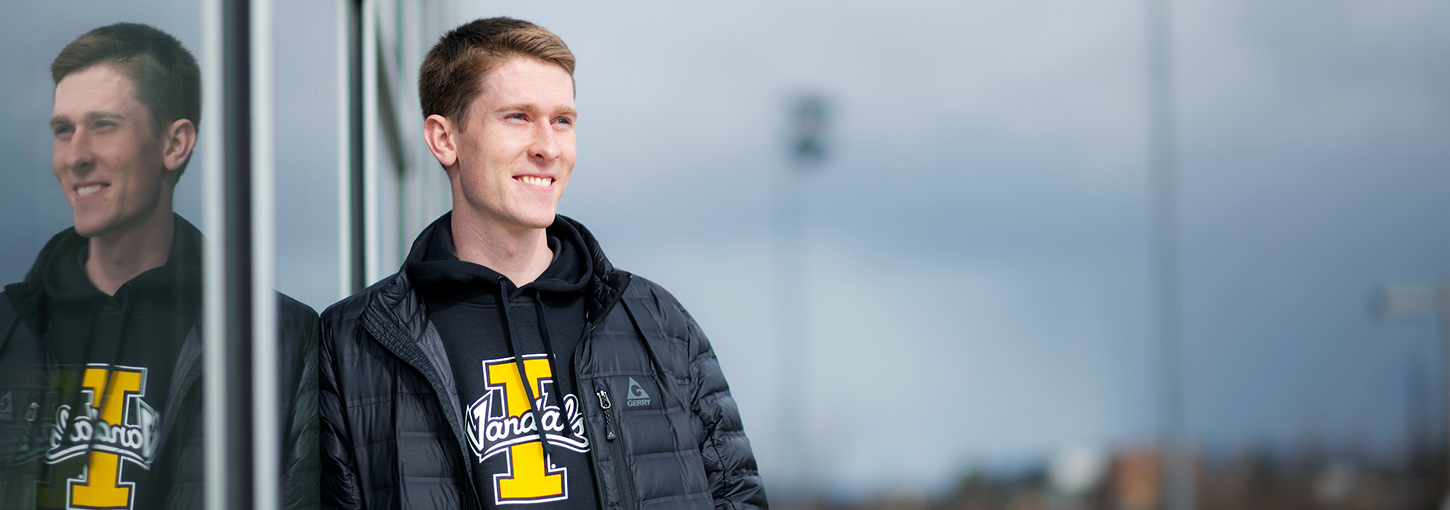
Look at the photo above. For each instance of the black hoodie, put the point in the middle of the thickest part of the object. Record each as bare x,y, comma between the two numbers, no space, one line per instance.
489,345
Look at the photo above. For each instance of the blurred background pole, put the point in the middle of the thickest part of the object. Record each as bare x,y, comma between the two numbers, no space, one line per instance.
1166,295
808,117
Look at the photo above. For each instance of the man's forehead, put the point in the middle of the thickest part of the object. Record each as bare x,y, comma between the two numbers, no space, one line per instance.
96,88
525,81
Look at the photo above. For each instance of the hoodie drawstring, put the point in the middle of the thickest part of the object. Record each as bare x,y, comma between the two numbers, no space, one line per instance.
516,350
105,389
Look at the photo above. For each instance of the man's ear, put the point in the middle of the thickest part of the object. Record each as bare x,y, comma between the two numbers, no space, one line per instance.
177,141
438,133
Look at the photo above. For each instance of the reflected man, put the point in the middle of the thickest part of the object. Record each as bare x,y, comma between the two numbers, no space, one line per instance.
508,362
100,345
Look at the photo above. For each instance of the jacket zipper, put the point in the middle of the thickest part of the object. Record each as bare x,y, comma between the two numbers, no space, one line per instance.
626,481
579,379
608,425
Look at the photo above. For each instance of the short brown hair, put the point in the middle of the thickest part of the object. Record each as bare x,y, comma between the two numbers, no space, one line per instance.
451,75
167,79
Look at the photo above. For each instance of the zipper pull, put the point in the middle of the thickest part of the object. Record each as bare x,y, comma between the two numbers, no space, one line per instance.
30,415
608,424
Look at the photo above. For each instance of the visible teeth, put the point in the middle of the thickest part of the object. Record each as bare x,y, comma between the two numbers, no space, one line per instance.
536,181
86,190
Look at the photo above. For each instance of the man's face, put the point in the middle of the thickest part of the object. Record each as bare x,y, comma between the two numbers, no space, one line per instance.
517,151
107,155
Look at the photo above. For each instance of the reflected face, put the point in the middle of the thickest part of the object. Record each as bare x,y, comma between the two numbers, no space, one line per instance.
107,156
517,151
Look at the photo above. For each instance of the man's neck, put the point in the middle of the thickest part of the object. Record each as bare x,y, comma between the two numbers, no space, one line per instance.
521,255
116,259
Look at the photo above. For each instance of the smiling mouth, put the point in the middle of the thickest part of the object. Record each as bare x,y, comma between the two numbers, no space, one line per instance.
542,182
86,190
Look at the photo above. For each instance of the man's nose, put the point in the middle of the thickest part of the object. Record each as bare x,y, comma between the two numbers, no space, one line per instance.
546,143
76,153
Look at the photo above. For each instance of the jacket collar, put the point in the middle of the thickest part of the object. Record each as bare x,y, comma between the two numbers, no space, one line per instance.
397,312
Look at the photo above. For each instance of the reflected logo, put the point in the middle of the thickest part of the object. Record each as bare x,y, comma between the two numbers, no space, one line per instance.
114,426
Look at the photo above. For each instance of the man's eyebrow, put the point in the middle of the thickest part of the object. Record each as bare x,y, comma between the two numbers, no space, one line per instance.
530,107
92,116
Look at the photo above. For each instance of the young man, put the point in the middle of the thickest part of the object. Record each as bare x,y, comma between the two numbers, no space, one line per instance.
508,362
100,346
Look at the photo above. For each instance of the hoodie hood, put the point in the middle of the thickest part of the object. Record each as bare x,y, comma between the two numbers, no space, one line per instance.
433,264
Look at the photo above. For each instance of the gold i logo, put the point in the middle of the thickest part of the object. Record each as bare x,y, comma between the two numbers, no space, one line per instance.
100,485
529,478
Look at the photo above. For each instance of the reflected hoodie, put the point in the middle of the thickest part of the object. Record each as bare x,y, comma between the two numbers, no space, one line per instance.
106,432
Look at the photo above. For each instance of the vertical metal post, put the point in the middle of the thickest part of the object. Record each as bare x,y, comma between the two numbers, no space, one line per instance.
348,282
356,147
1167,300
229,355
367,205
214,270
266,441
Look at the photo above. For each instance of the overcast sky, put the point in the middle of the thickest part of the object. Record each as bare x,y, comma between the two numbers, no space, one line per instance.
978,239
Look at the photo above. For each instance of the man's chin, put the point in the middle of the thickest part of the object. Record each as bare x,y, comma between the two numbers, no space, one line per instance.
89,228
89,232
537,218
543,220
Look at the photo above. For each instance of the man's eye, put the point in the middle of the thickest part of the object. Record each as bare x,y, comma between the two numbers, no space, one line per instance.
62,130
564,120
515,116
105,124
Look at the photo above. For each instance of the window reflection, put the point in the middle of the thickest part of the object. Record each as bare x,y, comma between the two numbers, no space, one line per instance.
101,366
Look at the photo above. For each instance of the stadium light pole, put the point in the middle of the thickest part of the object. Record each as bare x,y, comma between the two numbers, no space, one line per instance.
1166,290
809,114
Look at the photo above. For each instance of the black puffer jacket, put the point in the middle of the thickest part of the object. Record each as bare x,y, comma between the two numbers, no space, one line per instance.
392,434
28,380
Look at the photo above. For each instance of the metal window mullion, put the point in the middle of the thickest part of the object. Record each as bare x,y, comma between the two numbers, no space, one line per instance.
228,319
346,10
237,169
370,178
214,408
352,149
265,420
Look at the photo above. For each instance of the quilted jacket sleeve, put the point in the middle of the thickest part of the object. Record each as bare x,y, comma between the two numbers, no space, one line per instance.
729,463
340,487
